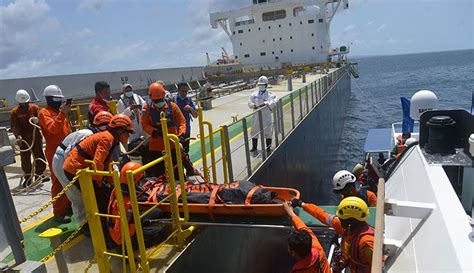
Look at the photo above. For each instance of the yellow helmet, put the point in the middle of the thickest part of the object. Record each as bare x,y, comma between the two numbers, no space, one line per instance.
353,207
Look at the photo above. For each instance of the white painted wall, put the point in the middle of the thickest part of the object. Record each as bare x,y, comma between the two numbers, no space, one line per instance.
442,244
302,39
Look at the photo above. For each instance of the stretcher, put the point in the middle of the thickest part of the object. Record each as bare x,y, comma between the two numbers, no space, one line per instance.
246,209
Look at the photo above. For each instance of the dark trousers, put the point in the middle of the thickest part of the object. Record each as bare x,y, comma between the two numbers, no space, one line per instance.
37,151
152,234
160,169
186,143
268,143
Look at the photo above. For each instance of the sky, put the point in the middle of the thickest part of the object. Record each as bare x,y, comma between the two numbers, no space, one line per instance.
51,37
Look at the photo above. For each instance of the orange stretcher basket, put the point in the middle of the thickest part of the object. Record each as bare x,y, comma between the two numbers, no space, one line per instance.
246,209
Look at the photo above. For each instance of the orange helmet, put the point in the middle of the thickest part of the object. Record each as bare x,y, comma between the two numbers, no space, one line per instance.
130,166
156,91
102,118
121,121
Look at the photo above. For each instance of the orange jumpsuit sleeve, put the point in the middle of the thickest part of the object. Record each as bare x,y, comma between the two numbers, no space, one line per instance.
324,217
372,199
52,125
101,154
366,246
146,121
179,119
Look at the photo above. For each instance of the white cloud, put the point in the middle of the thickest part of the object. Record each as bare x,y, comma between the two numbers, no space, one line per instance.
349,28
85,33
381,27
94,5
50,24
19,22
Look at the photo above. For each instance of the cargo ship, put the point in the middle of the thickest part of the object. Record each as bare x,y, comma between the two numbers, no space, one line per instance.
312,82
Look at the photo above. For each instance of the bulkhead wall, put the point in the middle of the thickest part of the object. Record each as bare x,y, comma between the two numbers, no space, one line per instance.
306,160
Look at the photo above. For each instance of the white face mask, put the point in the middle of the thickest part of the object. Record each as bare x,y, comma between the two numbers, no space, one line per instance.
262,88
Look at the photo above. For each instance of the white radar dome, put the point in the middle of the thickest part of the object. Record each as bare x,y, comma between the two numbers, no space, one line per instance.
422,101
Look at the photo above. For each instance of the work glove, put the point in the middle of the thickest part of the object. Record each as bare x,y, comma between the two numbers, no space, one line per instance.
296,202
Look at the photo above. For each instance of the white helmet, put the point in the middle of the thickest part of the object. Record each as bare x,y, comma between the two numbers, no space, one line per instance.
410,141
53,91
422,101
22,96
262,80
341,178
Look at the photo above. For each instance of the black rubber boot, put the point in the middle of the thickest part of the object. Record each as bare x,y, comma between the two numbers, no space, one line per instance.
268,143
254,144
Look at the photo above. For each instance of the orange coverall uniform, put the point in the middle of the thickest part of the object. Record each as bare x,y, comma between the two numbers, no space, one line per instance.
317,260
97,147
21,126
55,127
115,229
156,143
365,244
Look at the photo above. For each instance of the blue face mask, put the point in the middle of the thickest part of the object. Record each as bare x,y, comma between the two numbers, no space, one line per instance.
182,97
129,94
160,104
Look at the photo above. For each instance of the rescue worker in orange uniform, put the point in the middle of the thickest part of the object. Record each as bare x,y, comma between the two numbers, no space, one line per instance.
152,125
21,128
304,247
55,127
152,234
344,184
103,95
100,148
350,222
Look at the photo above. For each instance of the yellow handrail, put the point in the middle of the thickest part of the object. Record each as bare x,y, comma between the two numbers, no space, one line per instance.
202,140
211,150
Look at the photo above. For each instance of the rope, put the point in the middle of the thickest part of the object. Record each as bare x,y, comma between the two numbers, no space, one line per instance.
34,180
45,206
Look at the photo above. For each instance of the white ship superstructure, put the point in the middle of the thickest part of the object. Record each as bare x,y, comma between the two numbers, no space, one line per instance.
278,31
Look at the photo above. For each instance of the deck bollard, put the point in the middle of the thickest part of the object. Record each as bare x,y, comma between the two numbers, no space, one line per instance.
53,234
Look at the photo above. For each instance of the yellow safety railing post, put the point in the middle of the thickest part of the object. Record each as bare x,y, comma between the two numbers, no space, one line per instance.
224,154
171,179
138,224
211,150
202,140
95,226
124,221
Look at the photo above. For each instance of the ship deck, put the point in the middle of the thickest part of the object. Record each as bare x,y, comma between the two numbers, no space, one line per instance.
78,251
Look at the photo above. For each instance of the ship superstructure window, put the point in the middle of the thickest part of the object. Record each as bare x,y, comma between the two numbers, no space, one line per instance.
291,37
244,20
240,44
320,20
241,31
306,11
312,34
311,21
274,15
274,39
273,52
247,56
263,53
280,38
250,30
281,51
292,50
313,47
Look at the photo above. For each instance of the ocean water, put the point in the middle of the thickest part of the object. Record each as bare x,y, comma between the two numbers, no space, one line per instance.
375,98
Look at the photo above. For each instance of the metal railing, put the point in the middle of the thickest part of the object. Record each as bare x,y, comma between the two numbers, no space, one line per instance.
177,236
233,140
